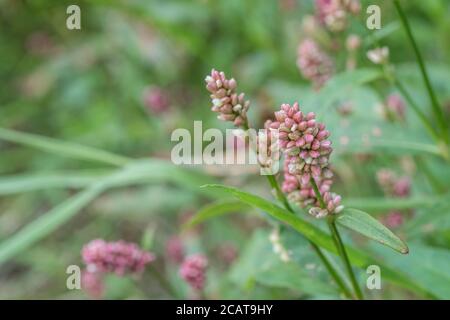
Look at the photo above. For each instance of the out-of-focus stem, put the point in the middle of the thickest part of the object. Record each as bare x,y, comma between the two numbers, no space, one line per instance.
426,122
437,110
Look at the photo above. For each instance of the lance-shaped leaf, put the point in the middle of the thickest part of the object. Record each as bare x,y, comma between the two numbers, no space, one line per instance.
370,227
320,238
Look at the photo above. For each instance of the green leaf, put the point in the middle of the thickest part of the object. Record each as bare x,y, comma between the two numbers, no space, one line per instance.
427,265
136,172
370,227
214,210
341,84
320,238
32,182
62,148
308,230
155,170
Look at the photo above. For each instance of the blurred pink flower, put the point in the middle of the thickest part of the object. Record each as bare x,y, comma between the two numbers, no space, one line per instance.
92,283
175,250
392,185
193,271
385,178
396,105
40,43
393,219
313,63
118,257
156,99
334,13
402,187
353,42
230,105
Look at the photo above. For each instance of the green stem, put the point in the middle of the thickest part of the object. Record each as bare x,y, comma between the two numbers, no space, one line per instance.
437,110
436,185
282,198
280,195
393,80
426,122
332,271
338,242
343,253
165,285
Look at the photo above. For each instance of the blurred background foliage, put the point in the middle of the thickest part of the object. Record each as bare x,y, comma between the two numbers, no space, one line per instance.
87,87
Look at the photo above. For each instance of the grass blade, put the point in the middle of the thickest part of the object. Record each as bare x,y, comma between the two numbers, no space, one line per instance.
62,148
46,223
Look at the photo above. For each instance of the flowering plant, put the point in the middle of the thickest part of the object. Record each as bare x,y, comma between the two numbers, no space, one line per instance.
312,162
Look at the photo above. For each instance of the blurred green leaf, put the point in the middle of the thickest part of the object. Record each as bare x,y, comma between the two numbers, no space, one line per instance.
427,265
135,173
46,223
32,182
62,148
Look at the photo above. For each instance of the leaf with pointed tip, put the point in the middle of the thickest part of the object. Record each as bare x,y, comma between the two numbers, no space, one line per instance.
320,238
370,227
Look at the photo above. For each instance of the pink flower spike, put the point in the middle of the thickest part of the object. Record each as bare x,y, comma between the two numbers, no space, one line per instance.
193,271
118,257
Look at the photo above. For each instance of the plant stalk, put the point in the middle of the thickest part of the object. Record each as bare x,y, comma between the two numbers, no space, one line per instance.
343,253
437,110
334,274
338,243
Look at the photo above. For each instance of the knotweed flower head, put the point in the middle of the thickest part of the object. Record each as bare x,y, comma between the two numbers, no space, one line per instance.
334,13
393,219
92,283
385,178
156,99
402,187
230,105
193,271
313,63
118,257
307,152
392,185
175,250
